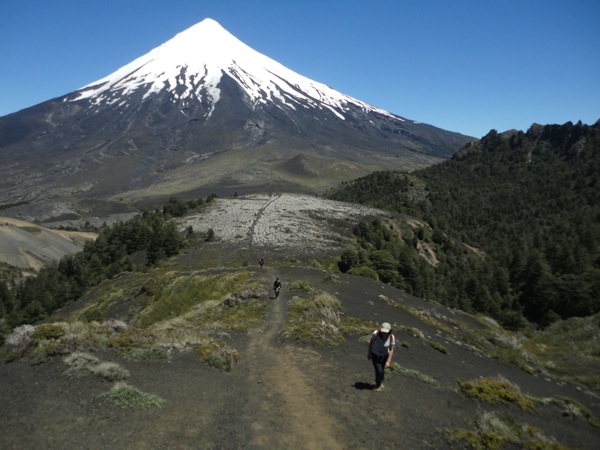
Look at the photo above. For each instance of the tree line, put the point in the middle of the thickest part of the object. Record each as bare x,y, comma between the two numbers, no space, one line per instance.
136,244
530,202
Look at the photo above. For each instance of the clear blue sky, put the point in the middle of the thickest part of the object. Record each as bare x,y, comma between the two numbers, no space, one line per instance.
466,66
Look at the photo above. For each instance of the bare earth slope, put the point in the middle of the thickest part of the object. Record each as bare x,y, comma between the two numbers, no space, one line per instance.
30,246
282,394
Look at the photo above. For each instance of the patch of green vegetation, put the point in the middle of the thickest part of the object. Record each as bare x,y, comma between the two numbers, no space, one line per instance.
478,440
364,271
411,331
131,288
515,357
218,355
126,396
491,431
396,369
182,293
328,264
496,390
235,314
182,311
112,254
418,334
331,278
315,320
568,349
356,326
61,338
572,408
427,317
48,331
300,285
436,345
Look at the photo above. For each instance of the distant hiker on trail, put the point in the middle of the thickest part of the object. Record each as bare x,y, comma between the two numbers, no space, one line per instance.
277,287
381,350
261,262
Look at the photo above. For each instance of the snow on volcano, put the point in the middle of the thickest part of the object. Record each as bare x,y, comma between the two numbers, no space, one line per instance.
190,66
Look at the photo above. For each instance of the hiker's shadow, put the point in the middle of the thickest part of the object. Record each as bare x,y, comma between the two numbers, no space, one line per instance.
361,386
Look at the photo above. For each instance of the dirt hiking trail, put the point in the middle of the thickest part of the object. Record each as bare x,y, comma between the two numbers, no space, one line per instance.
289,414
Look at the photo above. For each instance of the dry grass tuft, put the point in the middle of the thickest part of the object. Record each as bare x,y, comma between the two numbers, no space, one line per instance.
126,396
81,362
315,320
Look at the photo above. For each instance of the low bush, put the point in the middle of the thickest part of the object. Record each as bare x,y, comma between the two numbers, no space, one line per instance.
493,432
496,390
364,271
126,396
315,320
218,355
300,285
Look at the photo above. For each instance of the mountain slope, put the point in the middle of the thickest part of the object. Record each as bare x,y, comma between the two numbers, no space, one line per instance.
169,121
293,370
529,201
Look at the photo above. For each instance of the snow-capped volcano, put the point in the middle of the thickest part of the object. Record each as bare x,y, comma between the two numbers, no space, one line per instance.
204,112
190,67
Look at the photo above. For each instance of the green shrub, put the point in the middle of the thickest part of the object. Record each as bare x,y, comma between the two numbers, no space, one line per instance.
478,440
364,271
492,431
47,331
219,355
493,390
300,285
126,396
315,320
439,347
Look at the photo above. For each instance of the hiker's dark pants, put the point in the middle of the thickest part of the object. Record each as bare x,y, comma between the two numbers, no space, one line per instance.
379,365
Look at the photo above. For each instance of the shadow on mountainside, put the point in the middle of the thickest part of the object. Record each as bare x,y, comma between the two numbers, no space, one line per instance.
286,395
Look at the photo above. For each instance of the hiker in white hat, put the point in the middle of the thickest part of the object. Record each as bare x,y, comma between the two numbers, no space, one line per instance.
381,350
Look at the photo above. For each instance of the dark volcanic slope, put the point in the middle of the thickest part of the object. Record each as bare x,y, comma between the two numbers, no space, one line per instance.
283,395
186,116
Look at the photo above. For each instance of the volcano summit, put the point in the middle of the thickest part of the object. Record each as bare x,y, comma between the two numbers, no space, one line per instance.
203,113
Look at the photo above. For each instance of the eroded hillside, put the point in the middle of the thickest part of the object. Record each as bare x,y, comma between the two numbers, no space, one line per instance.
29,246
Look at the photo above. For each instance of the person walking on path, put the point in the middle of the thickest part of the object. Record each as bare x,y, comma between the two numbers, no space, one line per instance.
381,351
261,262
277,287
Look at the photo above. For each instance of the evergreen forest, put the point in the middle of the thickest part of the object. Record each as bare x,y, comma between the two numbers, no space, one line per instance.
513,221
